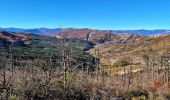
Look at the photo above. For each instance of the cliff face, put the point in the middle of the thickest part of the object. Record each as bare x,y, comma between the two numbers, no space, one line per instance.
100,36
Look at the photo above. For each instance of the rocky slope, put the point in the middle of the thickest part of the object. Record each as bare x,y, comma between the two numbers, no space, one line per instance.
100,36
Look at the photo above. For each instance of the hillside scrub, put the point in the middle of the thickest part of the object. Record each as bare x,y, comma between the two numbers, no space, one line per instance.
26,77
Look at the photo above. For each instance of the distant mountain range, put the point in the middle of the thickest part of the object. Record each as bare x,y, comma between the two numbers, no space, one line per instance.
40,31
143,31
90,35
48,31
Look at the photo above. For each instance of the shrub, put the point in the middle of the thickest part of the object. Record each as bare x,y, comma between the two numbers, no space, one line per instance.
159,98
139,94
121,63
139,98
13,98
167,94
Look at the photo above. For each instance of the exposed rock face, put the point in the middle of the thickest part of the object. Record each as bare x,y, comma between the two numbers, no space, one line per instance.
100,36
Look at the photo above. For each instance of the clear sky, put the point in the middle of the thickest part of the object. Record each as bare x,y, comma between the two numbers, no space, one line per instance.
98,14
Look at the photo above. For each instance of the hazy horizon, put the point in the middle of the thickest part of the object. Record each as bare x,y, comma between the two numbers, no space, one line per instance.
82,28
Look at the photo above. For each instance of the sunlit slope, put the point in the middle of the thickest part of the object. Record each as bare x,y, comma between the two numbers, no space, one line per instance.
156,45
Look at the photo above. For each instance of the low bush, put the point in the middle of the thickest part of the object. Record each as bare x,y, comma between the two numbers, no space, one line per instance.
121,63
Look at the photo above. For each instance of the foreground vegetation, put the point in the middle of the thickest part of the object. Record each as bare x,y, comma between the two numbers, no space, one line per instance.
60,69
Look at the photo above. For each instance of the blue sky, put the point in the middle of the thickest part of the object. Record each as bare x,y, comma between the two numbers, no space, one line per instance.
97,14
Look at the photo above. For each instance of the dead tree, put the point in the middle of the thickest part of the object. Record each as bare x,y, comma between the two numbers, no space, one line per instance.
97,71
130,75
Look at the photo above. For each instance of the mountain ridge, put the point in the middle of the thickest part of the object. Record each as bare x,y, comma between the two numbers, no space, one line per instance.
40,31
52,31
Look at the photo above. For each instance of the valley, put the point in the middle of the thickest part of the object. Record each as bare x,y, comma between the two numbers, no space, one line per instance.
84,50
84,63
